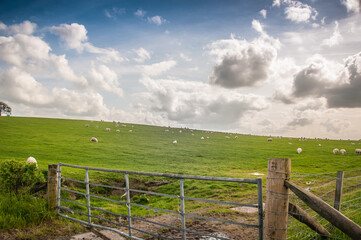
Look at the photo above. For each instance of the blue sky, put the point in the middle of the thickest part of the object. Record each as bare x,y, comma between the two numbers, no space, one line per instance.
281,67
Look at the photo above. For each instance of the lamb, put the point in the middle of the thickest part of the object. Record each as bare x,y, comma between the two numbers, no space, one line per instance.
107,129
343,151
335,151
358,151
31,160
93,139
299,150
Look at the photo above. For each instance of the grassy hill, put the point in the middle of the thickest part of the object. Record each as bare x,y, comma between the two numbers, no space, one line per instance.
150,148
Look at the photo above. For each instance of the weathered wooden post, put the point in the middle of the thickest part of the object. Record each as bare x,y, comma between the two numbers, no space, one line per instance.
276,209
52,186
338,192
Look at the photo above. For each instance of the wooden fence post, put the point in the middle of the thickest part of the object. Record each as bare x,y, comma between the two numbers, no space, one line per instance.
276,209
338,192
52,186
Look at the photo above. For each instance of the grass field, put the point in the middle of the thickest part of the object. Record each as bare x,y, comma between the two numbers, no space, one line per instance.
150,149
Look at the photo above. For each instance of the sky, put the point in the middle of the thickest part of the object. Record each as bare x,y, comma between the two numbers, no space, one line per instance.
282,67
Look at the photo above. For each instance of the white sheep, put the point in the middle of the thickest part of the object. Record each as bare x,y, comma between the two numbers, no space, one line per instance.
86,125
343,151
32,160
175,142
352,143
335,151
123,125
235,137
180,131
202,138
358,151
130,131
319,145
290,143
93,139
107,129
96,126
227,137
117,130
269,139
299,150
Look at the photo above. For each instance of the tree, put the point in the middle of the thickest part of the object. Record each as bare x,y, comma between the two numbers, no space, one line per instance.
4,108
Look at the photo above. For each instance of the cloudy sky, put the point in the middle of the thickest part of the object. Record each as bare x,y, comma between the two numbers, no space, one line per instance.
281,67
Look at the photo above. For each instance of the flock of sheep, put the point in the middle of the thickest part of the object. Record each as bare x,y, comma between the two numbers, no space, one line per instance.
94,139
335,150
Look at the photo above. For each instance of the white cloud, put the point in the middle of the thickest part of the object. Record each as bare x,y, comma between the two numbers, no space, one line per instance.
143,55
263,13
194,102
335,39
336,125
103,77
242,63
158,68
75,37
352,5
114,12
25,27
140,13
276,3
157,20
185,57
299,12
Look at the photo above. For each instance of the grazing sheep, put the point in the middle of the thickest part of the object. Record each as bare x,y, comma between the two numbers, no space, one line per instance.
290,143
358,151
107,129
93,139
207,137
123,125
175,142
180,131
117,130
235,137
352,143
319,145
343,151
32,160
269,139
335,151
192,134
299,150
202,138
96,126
130,131
227,137
86,125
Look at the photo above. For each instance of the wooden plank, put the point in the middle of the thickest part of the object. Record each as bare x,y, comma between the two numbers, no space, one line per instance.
302,216
52,191
276,208
336,218
338,192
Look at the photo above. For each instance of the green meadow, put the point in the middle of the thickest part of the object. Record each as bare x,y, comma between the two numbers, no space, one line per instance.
150,148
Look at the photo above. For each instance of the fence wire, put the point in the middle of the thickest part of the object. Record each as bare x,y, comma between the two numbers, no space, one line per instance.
324,186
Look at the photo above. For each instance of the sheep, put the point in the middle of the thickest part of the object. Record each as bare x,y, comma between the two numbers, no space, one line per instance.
123,125
343,151
32,160
86,125
130,131
335,151
96,126
180,131
227,137
202,138
117,130
107,129
235,137
352,143
319,145
175,142
269,139
299,150
93,139
358,151
290,143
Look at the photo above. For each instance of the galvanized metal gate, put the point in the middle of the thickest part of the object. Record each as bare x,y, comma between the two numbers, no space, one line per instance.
128,203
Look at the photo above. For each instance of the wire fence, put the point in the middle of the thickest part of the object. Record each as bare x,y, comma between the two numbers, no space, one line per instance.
324,186
123,210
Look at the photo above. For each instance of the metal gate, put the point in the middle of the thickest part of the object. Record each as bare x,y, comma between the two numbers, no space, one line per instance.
128,203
